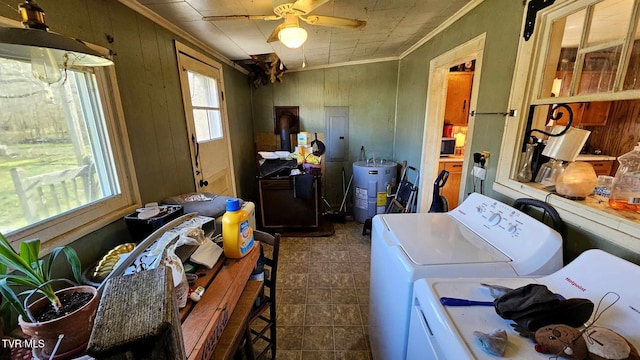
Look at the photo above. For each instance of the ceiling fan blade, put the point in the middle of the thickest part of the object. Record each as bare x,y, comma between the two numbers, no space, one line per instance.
334,22
307,6
274,35
241,17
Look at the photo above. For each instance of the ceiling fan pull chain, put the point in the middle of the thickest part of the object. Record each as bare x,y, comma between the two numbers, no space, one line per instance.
304,59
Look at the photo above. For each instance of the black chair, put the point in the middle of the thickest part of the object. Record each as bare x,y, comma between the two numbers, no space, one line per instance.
547,211
260,319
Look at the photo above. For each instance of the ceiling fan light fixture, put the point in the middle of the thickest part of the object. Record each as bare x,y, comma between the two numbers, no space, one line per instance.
292,36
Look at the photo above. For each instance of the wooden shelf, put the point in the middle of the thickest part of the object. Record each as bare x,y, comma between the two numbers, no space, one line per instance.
205,321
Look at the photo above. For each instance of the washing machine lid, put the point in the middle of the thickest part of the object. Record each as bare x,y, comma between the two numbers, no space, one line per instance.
613,286
438,238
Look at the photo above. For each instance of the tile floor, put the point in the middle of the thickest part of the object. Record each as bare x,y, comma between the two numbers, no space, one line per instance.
323,296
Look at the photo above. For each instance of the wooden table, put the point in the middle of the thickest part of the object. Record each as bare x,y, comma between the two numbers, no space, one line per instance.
204,322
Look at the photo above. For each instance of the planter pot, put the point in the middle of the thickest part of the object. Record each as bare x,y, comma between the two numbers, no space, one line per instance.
76,326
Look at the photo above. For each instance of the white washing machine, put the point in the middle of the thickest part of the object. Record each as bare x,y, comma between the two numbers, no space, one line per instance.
482,237
439,332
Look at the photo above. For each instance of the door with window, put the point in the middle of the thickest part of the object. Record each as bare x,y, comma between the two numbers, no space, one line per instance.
207,125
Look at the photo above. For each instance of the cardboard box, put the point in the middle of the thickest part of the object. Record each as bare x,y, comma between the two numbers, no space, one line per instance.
304,138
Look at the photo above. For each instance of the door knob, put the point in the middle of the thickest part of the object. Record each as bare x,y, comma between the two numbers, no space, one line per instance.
203,183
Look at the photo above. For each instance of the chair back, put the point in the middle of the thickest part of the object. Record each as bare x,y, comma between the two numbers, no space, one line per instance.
49,194
271,253
271,247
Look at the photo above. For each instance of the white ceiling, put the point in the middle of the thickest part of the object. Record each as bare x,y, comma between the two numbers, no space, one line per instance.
393,26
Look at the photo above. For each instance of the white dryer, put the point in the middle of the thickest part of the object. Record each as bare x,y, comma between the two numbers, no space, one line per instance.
446,332
482,237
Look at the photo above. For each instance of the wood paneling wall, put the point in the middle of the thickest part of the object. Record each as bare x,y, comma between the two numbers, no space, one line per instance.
369,90
147,72
621,133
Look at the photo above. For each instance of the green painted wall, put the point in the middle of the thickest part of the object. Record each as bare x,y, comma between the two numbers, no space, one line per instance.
369,90
148,80
500,20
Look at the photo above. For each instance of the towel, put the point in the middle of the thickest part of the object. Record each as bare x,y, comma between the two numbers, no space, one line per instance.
303,186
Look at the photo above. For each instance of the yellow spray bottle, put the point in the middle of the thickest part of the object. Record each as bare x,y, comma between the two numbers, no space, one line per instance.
237,235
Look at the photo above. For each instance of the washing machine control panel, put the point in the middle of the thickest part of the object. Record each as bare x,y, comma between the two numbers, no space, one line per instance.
503,226
494,214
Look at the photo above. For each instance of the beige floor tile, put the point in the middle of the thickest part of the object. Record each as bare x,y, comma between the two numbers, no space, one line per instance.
318,296
317,247
320,280
324,281
361,279
364,314
319,267
293,267
318,315
346,314
288,354
363,295
342,281
290,314
320,256
294,256
286,245
291,296
340,267
344,296
292,281
289,338
361,267
317,338
341,256
318,355
349,338
351,355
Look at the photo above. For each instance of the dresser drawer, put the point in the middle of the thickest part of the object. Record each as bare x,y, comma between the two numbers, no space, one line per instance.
452,167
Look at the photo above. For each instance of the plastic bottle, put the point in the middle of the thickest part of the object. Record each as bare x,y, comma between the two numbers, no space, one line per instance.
237,235
196,295
625,190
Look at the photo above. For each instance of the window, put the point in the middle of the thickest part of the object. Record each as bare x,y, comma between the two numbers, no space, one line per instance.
589,49
583,51
63,168
206,107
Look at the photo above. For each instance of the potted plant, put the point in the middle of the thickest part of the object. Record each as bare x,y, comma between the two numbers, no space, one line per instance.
60,322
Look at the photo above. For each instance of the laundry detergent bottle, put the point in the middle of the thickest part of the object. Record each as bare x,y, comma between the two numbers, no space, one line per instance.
625,190
237,235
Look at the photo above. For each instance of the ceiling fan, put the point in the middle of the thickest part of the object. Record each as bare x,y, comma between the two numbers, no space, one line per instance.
289,32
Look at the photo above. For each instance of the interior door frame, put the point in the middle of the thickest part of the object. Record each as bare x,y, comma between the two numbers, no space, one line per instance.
434,115
182,49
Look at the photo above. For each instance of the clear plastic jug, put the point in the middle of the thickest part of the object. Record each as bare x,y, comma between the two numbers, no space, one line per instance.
625,190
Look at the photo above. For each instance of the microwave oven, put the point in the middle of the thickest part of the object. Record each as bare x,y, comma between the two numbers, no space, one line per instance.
448,146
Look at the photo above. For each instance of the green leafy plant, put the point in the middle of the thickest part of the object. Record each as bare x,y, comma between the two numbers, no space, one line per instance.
31,272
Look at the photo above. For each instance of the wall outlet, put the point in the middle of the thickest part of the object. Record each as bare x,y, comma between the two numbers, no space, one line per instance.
486,155
479,172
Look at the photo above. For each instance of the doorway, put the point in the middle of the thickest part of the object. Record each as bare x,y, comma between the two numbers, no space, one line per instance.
438,85
207,123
